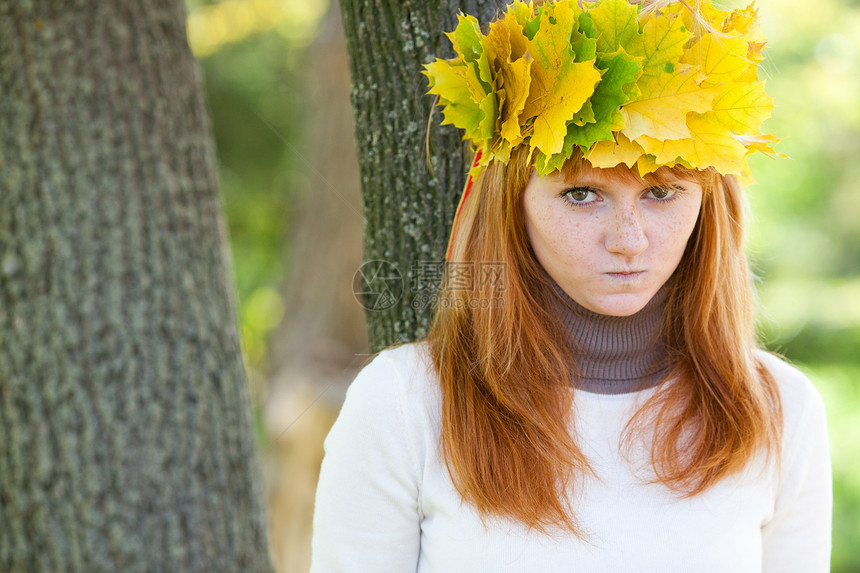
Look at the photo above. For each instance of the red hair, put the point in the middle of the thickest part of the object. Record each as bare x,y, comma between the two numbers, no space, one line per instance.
504,372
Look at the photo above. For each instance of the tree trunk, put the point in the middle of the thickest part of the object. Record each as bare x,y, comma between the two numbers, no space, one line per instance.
408,208
125,435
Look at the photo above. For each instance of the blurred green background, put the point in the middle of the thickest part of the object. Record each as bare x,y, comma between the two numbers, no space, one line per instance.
805,232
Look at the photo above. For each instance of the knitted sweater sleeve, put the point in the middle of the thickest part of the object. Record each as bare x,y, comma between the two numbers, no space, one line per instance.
367,516
798,536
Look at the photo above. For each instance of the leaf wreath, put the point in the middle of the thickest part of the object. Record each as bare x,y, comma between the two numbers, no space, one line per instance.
673,85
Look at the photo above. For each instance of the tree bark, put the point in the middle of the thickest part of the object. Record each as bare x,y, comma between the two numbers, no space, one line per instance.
408,207
125,435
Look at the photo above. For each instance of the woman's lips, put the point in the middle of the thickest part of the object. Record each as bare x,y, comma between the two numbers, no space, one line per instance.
625,276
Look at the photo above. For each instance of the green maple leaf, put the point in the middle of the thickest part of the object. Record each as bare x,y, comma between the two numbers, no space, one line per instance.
461,93
620,70
660,45
466,37
618,21
560,86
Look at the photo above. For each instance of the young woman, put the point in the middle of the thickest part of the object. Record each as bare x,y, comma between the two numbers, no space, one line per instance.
614,412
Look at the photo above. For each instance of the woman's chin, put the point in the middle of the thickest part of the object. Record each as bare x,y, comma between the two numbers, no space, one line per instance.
622,304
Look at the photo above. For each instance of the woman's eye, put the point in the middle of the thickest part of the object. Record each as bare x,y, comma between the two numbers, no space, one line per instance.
579,195
661,192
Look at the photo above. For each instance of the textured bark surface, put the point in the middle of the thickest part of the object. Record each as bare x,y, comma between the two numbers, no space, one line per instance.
408,207
125,435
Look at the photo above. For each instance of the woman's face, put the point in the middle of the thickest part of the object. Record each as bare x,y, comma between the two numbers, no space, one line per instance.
609,242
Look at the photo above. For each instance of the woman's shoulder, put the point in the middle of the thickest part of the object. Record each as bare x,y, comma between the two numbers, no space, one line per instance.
803,408
410,359
400,377
795,387
408,366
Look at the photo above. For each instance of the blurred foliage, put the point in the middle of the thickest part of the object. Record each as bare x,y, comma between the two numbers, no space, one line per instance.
251,52
805,232
804,237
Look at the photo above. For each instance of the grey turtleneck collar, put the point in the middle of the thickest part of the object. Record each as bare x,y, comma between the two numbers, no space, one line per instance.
615,354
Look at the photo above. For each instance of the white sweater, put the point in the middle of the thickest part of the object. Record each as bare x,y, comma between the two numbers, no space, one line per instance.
385,502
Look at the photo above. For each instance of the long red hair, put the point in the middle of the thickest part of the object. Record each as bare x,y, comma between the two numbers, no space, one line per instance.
504,370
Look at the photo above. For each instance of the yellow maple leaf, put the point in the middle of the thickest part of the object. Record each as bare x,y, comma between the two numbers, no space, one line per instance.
710,145
452,78
460,91
722,59
500,152
666,99
559,85
660,45
560,93
498,42
742,107
761,143
522,11
512,78
745,22
516,78
551,43
618,19
647,164
607,154
702,16
516,36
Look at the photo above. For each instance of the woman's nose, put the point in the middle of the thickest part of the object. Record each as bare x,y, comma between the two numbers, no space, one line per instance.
626,233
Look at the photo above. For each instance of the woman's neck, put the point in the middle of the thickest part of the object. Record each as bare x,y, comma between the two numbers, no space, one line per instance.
615,354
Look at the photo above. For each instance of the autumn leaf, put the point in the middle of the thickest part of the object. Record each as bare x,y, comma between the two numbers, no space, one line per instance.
742,107
550,44
606,154
487,126
512,78
468,41
620,72
703,11
647,164
466,37
523,12
710,145
745,22
498,42
761,143
721,59
460,92
661,110
660,45
582,40
559,85
547,164
560,93
618,21
584,115
516,79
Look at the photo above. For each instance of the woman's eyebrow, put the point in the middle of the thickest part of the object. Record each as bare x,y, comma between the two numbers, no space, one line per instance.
583,183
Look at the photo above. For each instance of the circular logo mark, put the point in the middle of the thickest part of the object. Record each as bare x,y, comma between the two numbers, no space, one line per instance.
377,285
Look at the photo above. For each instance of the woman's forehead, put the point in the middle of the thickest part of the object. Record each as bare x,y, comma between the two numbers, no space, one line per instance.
583,172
